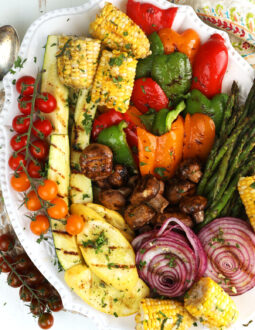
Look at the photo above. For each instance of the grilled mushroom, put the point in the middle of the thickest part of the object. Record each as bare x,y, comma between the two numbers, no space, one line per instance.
112,199
190,169
176,189
195,206
138,215
119,177
145,190
96,161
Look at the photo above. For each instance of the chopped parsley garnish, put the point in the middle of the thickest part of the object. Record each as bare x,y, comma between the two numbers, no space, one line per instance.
147,149
87,122
96,244
118,61
115,314
179,320
85,196
63,50
143,90
160,171
252,185
141,264
143,163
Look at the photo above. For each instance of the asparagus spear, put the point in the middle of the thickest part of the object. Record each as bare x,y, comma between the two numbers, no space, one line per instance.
215,210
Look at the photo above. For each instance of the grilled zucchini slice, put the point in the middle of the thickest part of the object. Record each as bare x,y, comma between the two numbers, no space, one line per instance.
104,297
52,84
106,251
80,185
59,164
66,246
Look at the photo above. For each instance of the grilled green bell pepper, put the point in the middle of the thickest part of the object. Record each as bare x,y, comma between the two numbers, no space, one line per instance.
115,138
164,119
144,66
173,73
148,119
198,102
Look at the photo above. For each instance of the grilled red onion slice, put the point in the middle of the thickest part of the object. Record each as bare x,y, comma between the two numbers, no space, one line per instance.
170,259
230,247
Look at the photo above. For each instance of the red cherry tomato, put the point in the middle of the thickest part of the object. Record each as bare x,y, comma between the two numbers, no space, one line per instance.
37,307
46,321
148,94
25,294
15,160
6,242
47,103
25,90
42,128
20,182
55,304
34,170
17,142
4,266
13,280
20,123
39,149
25,104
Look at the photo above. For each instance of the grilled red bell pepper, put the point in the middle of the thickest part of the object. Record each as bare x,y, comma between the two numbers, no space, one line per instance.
113,117
149,17
210,65
148,94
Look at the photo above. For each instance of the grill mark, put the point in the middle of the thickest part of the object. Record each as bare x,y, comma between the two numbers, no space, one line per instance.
61,120
109,247
60,174
62,196
76,188
61,232
70,253
56,147
115,266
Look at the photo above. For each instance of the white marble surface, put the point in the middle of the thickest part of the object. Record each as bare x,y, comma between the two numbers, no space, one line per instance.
13,313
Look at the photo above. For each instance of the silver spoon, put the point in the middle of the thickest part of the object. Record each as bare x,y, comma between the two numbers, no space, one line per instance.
9,46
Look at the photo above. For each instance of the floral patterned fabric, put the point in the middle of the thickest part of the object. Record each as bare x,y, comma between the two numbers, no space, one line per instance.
235,17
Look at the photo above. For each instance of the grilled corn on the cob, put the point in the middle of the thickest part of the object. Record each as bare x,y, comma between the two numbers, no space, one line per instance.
118,31
162,314
246,188
209,303
77,61
114,80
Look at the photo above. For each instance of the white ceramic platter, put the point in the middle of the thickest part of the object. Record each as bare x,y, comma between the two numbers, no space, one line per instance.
76,21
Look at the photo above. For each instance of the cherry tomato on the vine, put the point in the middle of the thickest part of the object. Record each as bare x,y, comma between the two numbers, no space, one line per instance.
15,160
25,90
6,242
32,202
40,225
42,128
20,182
46,321
4,267
20,123
43,290
22,263
55,303
74,224
25,294
46,103
13,280
37,307
48,190
34,170
39,149
25,104
59,209
33,278
17,142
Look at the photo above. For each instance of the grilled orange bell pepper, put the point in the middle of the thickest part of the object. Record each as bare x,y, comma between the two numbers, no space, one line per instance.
199,136
161,155
187,42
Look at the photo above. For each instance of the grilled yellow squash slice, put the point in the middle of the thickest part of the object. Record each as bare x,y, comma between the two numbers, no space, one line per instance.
103,297
106,251
66,246
115,219
52,84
